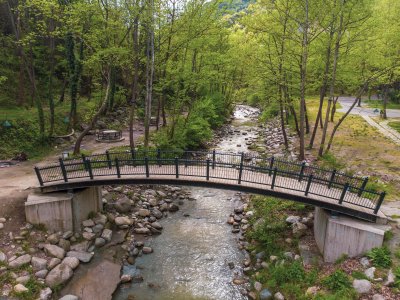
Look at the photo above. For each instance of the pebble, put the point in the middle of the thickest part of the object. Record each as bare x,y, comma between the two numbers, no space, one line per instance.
257,286
147,250
69,297
279,296
126,278
20,288
265,294
370,273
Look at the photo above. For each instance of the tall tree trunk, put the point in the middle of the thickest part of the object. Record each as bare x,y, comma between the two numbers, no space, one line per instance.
323,89
63,88
135,85
149,74
333,81
77,147
360,93
385,101
51,72
303,78
334,108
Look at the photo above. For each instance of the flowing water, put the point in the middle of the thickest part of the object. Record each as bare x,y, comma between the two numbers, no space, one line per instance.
191,256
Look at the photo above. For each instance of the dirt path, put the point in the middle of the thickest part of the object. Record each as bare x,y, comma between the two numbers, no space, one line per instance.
17,181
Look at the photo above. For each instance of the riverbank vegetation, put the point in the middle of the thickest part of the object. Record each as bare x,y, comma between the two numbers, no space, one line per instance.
286,263
170,60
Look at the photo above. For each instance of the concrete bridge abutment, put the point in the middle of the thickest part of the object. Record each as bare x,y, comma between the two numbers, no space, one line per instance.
338,235
63,211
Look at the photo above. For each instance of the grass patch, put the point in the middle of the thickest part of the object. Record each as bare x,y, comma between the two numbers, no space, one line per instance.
33,292
380,257
395,125
269,225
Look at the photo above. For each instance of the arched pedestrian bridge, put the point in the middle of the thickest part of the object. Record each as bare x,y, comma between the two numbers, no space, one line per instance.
290,180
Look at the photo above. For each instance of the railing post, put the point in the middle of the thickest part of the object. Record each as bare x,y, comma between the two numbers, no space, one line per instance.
208,169
63,170
186,158
39,176
274,178
117,167
363,185
241,168
159,157
146,162
331,180
271,164
176,167
310,178
380,201
303,165
345,188
84,161
213,160
108,159
89,166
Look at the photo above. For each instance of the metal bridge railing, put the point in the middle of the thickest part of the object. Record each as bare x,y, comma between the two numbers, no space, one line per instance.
299,177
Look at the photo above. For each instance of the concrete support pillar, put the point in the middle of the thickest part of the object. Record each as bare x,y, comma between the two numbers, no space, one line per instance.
63,211
342,235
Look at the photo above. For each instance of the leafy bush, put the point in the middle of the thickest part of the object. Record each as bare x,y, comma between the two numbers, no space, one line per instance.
337,281
270,111
380,257
293,272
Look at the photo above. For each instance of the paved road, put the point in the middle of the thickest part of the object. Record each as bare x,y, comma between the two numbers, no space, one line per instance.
346,102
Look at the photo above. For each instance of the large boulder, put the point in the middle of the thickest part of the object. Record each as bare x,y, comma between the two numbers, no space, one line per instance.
38,263
20,261
84,257
123,221
123,205
54,251
59,275
362,286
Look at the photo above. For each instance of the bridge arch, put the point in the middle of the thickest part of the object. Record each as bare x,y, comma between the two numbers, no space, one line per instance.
270,176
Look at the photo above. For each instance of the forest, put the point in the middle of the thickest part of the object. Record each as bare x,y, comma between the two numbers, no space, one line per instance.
66,63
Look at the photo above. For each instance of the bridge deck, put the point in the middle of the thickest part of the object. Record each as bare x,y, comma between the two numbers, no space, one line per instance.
263,181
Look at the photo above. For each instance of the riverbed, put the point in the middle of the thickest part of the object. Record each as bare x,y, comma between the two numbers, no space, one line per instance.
197,255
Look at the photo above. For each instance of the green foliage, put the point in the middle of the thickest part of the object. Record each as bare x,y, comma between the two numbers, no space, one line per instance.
337,281
270,111
328,160
388,235
291,272
380,257
269,221
396,273
359,275
196,129
395,125
33,292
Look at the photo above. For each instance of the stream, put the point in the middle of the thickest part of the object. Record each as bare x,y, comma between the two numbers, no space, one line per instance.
193,256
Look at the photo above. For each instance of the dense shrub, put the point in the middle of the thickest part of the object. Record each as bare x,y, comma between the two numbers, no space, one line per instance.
270,111
195,130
